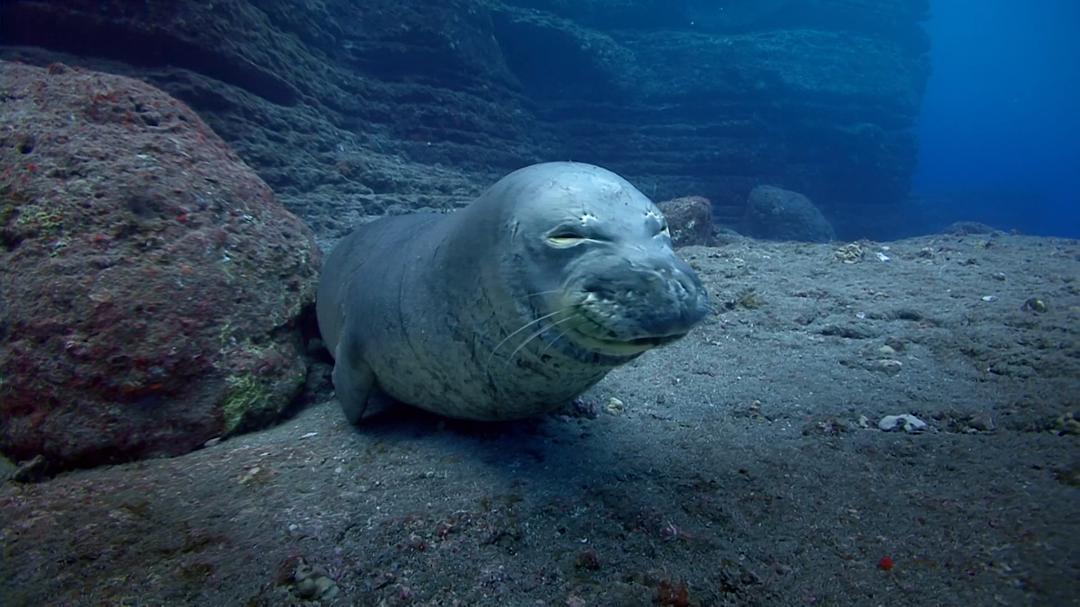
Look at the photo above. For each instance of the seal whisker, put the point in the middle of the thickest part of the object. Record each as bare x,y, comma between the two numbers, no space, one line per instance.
539,293
533,336
522,328
561,335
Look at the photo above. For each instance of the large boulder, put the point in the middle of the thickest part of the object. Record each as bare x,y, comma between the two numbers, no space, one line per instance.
778,214
149,280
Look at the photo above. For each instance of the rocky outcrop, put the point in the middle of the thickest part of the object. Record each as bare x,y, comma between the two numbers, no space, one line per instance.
149,280
344,109
778,214
351,109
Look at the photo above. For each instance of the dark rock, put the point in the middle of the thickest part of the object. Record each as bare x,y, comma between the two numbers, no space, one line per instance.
849,331
32,471
780,214
964,228
689,219
149,281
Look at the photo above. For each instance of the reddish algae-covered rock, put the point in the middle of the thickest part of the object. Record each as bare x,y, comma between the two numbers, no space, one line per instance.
149,280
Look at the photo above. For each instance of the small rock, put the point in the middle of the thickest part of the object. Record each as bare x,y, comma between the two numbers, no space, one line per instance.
850,253
307,588
988,298
614,406
964,228
830,426
888,366
1034,304
587,559
325,587
31,471
582,407
689,220
886,350
895,343
1067,424
906,422
983,422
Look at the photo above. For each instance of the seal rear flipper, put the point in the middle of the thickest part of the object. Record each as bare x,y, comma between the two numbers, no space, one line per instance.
354,383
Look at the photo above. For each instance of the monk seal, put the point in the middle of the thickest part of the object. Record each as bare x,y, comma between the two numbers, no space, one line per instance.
509,307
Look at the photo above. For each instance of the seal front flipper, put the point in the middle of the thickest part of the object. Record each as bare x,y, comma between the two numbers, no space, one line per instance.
354,382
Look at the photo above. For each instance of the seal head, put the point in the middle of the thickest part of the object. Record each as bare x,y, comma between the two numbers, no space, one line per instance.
595,261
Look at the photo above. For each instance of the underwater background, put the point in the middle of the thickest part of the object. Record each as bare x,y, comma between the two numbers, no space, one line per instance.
999,133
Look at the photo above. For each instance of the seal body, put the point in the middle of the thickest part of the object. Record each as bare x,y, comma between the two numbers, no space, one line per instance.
509,307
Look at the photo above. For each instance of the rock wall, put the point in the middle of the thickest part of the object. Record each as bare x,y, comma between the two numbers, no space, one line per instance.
350,109
816,96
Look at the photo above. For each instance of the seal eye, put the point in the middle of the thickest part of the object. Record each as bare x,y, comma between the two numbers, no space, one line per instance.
565,236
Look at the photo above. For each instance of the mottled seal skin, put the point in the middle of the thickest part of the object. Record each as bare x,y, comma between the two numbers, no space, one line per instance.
509,307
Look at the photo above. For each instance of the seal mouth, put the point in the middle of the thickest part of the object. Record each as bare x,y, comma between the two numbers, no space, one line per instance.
587,333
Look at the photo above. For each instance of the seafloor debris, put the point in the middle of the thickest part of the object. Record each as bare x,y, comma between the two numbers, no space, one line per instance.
307,582
1034,304
849,253
906,422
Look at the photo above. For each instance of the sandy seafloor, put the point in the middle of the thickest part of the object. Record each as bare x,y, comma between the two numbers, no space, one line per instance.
740,466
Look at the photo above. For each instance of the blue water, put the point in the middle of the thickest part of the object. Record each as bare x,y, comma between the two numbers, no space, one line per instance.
1000,129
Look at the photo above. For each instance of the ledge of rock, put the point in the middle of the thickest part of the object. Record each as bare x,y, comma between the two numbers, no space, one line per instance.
149,280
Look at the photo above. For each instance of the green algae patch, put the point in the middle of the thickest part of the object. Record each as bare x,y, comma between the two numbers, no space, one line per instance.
249,399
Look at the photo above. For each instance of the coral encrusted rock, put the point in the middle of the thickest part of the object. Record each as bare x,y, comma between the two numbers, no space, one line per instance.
149,280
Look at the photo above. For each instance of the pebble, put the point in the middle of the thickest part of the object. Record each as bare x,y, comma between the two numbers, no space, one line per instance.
888,366
614,406
34,470
1035,304
906,422
983,422
307,588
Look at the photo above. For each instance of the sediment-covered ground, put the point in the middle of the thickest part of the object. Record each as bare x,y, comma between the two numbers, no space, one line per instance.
744,465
